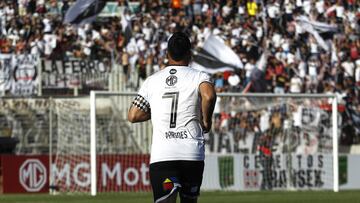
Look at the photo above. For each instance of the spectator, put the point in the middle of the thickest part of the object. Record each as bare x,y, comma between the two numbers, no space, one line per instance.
234,82
219,82
298,60
252,8
249,67
296,84
357,73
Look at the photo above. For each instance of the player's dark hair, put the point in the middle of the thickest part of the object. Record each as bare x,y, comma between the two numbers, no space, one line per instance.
179,46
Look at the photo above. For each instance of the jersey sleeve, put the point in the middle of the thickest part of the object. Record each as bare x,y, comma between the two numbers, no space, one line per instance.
204,77
142,99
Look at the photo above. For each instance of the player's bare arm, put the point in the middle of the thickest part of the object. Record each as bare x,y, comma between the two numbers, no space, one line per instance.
136,115
208,99
139,110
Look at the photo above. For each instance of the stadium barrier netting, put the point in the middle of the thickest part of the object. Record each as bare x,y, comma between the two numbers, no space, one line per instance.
258,142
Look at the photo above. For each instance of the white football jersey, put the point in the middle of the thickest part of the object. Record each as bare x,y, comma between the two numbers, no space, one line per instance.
174,99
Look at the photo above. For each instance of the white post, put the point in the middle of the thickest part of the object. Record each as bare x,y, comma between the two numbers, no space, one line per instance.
76,91
51,181
335,144
93,142
112,73
39,77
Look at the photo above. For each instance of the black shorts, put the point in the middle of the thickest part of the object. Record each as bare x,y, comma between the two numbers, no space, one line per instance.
168,177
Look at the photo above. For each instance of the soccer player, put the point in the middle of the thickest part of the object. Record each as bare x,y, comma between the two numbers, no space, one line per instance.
179,101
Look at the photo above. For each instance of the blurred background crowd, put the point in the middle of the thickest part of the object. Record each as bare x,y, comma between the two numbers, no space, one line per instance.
296,61
30,26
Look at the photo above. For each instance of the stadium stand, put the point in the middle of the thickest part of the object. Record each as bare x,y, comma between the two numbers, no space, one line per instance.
309,46
298,62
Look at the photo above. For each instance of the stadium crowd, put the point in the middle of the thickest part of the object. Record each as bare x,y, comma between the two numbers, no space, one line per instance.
297,61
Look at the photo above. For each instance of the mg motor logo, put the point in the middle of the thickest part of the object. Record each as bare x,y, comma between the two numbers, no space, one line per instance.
32,174
171,80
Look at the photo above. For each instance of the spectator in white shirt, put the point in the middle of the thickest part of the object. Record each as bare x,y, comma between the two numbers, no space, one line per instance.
357,72
299,3
296,84
349,68
249,67
273,10
234,81
320,6
9,12
340,10
307,6
313,66
226,10
289,9
47,25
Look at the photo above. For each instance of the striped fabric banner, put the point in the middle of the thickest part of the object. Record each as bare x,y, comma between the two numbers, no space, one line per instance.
215,56
84,11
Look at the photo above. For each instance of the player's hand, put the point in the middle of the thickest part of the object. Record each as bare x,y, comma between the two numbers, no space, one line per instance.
206,127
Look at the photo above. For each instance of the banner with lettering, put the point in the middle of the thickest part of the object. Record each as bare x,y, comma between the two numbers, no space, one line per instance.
249,172
5,72
25,173
239,172
75,73
19,74
115,173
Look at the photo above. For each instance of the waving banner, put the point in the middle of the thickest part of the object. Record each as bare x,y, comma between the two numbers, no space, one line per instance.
5,72
84,11
215,56
18,74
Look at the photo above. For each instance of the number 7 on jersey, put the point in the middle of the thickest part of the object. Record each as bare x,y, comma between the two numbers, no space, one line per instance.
174,96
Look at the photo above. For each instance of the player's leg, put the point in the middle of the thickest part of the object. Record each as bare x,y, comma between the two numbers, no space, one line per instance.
170,199
164,178
191,179
188,200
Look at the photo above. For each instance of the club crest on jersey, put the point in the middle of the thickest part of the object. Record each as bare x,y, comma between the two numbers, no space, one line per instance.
171,80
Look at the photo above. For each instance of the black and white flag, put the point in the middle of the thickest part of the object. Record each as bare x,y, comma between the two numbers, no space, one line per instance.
84,11
215,56
316,28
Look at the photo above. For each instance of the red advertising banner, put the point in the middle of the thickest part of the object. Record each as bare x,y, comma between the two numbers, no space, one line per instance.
123,173
25,173
115,173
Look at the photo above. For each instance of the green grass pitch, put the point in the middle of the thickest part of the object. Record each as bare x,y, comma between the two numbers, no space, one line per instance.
206,197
